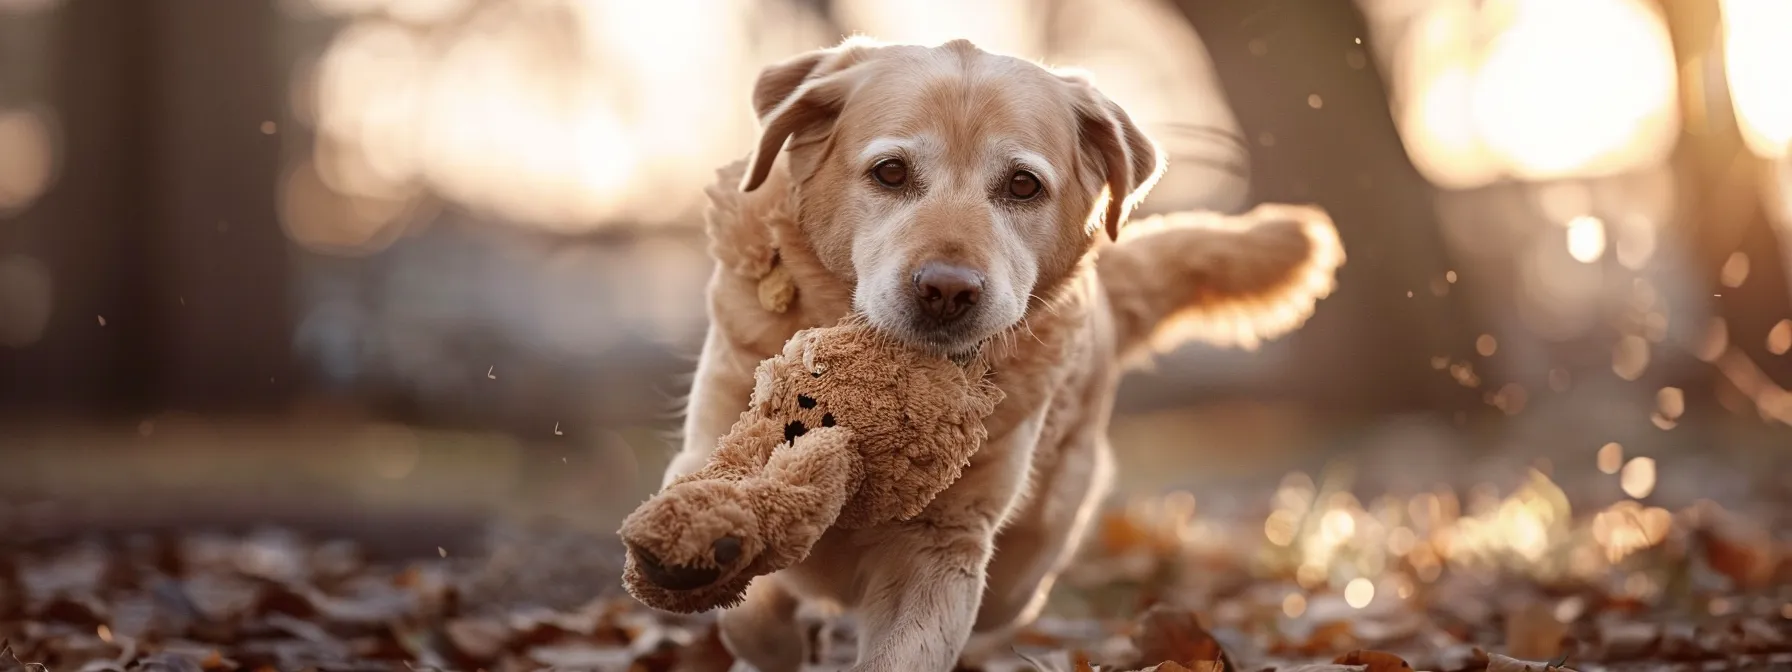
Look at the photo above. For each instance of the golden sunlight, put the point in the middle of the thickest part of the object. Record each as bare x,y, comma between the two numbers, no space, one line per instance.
1756,52
1521,88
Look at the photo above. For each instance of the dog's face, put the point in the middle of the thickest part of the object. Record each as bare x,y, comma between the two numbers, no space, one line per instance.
954,187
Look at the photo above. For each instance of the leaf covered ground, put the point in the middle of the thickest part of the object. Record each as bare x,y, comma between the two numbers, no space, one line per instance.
1318,581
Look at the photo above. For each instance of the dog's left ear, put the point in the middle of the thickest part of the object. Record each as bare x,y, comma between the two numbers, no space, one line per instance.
800,93
1125,156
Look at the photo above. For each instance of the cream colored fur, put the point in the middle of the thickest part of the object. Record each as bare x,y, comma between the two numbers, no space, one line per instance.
1067,309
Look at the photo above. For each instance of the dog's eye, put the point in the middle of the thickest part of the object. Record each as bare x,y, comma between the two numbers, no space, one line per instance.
890,173
1023,185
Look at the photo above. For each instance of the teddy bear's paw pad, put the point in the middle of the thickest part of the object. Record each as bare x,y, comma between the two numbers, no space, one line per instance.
725,552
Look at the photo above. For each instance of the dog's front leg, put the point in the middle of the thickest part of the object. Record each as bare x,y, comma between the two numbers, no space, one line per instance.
921,596
719,393
924,578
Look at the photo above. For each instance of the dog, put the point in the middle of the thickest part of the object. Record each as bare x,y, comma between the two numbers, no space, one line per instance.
968,201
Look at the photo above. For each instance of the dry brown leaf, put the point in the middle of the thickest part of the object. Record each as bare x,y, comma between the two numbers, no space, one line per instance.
1499,663
1323,667
1376,661
1173,666
1168,634
9,662
477,638
1622,639
707,654
1329,637
1534,632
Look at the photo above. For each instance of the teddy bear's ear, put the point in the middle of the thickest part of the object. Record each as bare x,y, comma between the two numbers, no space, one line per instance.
763,378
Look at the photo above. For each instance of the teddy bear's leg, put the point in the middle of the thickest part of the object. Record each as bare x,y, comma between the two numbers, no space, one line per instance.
801,492
763,631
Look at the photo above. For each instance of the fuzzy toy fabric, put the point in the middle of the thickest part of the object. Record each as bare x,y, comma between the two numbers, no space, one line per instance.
847,428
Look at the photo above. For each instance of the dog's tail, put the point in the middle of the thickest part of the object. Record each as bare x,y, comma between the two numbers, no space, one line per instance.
1227,280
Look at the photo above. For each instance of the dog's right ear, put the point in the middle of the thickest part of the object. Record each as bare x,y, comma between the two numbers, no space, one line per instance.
798,94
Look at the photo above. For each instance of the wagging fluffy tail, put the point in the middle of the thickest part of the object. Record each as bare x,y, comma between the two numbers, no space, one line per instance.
1227,280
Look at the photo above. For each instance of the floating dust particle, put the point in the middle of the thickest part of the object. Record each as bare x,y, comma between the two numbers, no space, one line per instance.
1611,458
1638,477
1314,101
1450,277
1294,605
441,551
268,128
490,372
1662,422
102,319
1359,40
1779,338
557,431
1359,592
105,633
1486,345
1735,270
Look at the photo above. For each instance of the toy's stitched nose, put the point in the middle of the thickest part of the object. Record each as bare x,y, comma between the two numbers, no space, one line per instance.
946,292
726,550
674,577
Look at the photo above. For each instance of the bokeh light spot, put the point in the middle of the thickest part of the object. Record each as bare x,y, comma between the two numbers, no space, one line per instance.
1638,477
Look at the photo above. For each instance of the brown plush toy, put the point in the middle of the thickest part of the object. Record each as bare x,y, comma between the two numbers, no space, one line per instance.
847,428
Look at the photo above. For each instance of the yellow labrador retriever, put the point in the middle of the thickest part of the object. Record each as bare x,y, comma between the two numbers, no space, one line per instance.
962,199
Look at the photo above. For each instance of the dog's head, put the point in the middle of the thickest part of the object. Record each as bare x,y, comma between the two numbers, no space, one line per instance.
953,186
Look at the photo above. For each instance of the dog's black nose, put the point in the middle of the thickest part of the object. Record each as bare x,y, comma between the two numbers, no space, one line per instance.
946,292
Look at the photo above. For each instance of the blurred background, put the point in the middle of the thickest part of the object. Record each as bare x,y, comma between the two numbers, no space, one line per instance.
396,266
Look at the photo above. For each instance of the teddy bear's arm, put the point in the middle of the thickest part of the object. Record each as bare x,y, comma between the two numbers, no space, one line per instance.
741,453
801,491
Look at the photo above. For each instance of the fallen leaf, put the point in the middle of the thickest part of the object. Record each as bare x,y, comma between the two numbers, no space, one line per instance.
1623,639
583,656
1532,631
1168,634
1376,661
1499,663
707,654
480,639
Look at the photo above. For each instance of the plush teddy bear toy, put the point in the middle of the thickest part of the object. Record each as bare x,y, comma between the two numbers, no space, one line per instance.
847,428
